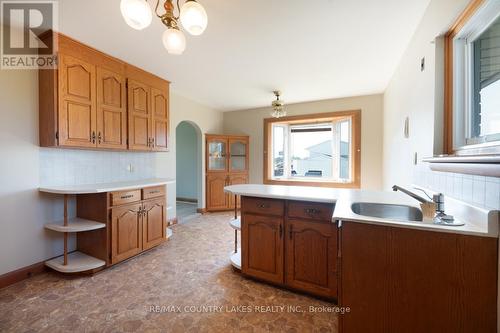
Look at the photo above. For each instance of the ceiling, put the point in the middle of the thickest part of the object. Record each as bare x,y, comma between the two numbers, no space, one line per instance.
310,50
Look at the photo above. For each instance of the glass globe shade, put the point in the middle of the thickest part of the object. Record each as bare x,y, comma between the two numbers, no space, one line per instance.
174,41
136,13
194,17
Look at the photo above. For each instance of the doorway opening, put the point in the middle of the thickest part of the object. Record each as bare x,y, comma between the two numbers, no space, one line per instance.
188,170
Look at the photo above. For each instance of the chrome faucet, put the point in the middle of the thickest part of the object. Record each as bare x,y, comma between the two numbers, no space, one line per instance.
440,216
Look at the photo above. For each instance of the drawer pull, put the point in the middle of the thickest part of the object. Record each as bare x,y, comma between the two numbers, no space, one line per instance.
312,211
154,192
263,205
127,196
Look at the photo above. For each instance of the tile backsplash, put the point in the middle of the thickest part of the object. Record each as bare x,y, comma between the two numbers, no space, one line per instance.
477,190
74,167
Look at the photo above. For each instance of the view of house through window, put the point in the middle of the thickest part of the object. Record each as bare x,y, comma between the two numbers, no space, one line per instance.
312,150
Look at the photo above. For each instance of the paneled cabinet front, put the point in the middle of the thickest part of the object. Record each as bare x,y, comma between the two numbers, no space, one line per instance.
85,102
154,223
290,243
126,232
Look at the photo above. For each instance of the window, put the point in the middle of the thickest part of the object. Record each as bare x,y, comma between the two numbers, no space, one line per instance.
319,150
472,82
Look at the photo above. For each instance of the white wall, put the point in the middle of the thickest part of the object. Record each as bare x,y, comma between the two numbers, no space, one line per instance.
24,166
187,161
251,122
419,95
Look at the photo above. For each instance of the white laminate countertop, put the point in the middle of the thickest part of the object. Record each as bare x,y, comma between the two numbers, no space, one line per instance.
478,222
106,187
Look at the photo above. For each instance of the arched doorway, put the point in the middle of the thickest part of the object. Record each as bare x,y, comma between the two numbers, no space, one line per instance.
188,170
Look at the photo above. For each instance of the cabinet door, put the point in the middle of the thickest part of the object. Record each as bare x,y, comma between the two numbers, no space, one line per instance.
238,155
262,247
111,110
77,103
311,256
126,232
236,179
216,151
216,198
160,115
139,116
154,223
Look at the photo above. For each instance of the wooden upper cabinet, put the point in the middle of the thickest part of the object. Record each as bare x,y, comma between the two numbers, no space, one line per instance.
262,247
311,256
160,119
111,110
139,116
85,103
154,223
77,102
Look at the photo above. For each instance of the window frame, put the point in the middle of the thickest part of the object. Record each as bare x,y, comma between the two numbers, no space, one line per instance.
355,149
451,129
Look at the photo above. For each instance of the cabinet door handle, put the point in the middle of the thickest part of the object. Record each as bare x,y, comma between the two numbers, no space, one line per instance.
290,232
93,137
311,211
99,137
281,231
153,142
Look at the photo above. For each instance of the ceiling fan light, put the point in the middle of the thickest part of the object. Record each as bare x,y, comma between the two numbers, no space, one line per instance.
136,13
194,17
174,41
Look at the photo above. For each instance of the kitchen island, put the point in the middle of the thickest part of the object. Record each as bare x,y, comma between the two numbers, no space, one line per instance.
395,275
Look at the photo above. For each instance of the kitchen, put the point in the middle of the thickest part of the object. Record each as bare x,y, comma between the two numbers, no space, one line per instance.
358,192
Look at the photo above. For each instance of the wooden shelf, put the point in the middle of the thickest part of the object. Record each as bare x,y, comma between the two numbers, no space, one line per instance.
77,262
236,259
235,223
75,225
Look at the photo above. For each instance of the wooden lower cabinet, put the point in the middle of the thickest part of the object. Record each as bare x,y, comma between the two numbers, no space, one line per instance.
217,199
311,257
262,247
154,223
299,253
405,280
126,232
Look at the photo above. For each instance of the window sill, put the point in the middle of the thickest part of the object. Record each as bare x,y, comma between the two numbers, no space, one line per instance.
480,165
314,183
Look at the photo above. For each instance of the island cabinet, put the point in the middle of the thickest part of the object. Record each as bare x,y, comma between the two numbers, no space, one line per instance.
290,243
406,280
92,100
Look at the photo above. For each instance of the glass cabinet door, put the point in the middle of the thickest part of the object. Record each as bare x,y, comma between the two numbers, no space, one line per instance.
217,155
238,152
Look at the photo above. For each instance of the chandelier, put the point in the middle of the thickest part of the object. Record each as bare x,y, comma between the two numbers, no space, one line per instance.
278,106
137,14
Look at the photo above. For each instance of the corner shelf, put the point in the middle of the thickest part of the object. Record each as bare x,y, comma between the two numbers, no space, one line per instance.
75,225
235,223
236,259
77,262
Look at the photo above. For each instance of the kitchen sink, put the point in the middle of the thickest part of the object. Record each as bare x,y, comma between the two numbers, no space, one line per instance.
387,211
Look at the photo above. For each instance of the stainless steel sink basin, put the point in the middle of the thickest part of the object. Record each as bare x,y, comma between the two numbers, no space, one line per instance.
387,211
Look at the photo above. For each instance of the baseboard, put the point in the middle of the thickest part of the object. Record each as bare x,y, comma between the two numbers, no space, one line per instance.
190,200
172,221
201,210
22,273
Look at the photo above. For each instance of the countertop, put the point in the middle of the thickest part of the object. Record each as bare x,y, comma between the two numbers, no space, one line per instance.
106,187
478,221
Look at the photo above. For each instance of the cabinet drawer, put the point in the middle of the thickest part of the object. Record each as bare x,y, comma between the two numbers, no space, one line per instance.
123,197
311,210
262,206
153,192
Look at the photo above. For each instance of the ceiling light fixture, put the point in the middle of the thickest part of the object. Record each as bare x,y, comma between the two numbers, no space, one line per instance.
278,106
137,14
